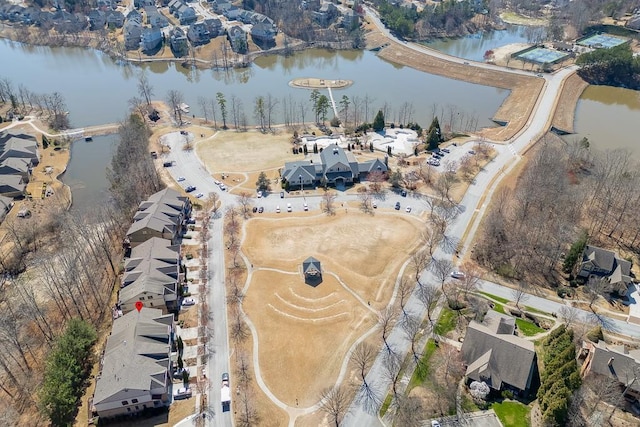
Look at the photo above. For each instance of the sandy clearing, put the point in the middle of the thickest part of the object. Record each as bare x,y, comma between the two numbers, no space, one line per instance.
363,239
304,332
232,151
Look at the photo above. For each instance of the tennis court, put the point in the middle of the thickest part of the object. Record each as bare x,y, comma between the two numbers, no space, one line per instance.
541,55
602,40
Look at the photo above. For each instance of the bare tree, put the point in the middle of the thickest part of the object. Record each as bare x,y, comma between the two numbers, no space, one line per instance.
362,358
175,99
145,90
428,296
403,292
245,204
386,321
519,294
391,363
247,413
328,202
441,268
420,261
334,402
595,288
365,200
410,411
411,327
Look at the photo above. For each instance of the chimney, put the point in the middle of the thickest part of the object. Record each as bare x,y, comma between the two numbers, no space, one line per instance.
610,362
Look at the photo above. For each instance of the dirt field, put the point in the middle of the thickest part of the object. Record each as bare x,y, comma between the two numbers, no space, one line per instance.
284,243
285,310
564,116
232,151
303,330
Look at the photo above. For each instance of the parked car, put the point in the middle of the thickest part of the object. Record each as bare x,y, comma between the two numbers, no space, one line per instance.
190,188
222,187
397,206
259,194
457,274
306,206
403,193
191,221
289,209
278,209
180,178
199,195
182,393
408,209
374,204
225,377
435,423
255,209
216,182
446,150
282,194
260,209
188,301
471,152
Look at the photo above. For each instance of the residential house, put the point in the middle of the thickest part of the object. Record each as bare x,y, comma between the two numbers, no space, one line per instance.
16,166
617,362
97,19
30,15
264,35
350,20
154,17
333,166
136,365
150,39
186,15
495,356
115,19
65,22
163,215
179,42
601,263
634,22
12,186
238,39
224,7
198,33
143,3
132,34
326,14
214,26
174,5
20,146
151,275
6,203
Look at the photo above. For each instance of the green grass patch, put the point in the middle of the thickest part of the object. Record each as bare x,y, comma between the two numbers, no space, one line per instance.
446,322
468,405
499,308
495,297
422,370
512,414
386,404
535,310
528,328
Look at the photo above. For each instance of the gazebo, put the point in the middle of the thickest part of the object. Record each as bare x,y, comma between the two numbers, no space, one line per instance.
312,271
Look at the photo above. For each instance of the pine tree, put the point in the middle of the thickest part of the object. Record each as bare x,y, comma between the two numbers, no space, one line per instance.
378,122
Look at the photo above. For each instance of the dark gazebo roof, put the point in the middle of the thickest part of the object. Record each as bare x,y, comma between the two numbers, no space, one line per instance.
311,267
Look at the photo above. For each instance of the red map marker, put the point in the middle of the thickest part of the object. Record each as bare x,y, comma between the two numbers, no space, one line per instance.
139,305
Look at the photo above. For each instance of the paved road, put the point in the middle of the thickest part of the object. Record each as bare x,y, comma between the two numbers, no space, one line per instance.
470,209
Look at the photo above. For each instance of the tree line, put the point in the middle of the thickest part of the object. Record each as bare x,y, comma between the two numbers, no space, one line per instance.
612,67
23,101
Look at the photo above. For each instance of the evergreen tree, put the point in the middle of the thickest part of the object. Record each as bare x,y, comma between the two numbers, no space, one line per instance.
433,139
378,122
263,183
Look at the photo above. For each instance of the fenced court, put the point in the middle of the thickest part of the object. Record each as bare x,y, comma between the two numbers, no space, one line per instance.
602,41
540,55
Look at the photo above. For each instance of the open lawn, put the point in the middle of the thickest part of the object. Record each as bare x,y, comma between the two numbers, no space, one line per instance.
446,322
420,374
495,297
231,151
528,328
512,414
365,251
304,329
304,332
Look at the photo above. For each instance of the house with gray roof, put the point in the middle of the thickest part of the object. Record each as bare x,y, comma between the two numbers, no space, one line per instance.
154,17
263,34
19,145
136,365
12,186
333,166
198,33
601,263
163,215
178,41
115,19
616,362
151,276
150,39
132,33
238,39
495,356
6,203
97,19
18,155
214,26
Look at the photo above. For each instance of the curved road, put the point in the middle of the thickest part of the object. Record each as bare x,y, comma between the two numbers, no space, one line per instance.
470,211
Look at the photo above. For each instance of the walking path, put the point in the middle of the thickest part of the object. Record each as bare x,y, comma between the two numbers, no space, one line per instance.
333,102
